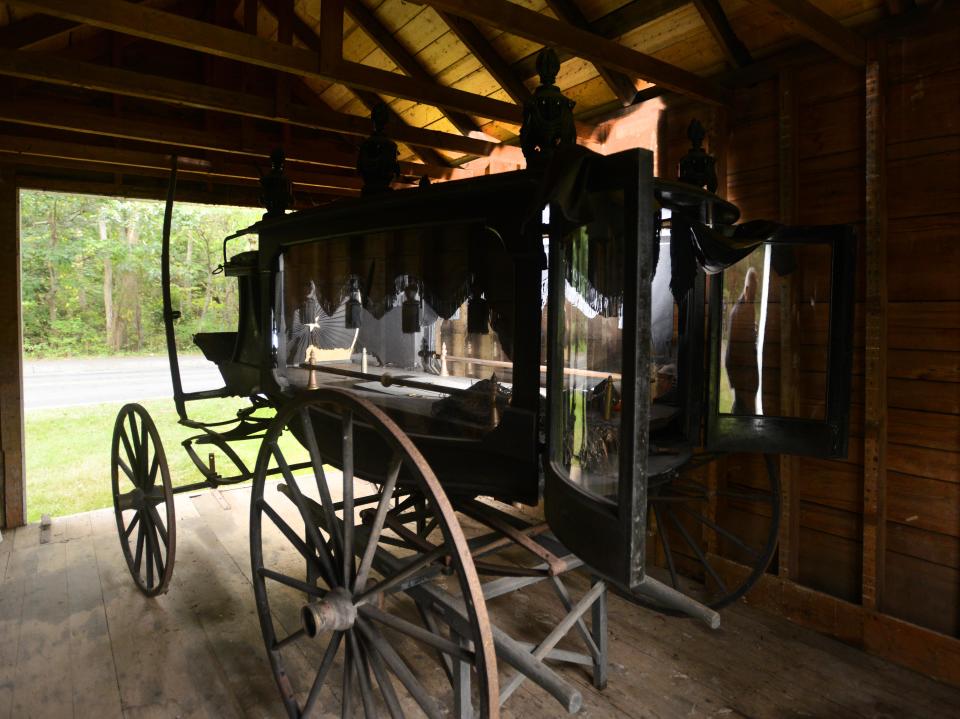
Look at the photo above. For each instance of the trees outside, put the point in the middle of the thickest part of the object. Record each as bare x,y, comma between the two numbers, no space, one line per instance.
91,272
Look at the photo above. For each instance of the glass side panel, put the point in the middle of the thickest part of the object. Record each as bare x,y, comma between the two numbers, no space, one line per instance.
663,324
587,431
774,342
420,321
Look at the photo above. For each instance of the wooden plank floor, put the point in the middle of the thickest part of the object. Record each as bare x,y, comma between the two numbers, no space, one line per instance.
77,639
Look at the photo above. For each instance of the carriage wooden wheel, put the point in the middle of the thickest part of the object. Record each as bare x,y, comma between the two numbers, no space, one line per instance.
684,510
360,615
143,500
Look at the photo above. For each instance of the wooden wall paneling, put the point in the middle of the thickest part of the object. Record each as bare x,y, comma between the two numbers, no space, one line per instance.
933,547
923,461
919,248
788,153
875,372
904,643
935,607
933,430
925,503
830,564
12,488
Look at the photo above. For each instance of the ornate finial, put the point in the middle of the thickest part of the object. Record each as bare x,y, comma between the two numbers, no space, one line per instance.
377,161
547,116
697,167
277,191
548,65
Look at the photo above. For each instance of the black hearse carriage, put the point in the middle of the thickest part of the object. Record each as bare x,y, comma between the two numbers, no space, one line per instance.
438,357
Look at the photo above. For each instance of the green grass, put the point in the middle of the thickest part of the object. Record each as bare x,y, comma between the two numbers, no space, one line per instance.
68,452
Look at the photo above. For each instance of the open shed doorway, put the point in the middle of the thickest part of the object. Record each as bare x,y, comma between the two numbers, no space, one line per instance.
93,336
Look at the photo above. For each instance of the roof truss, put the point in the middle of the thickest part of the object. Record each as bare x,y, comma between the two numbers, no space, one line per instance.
526,23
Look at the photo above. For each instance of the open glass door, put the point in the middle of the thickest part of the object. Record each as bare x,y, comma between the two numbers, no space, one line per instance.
598,379
781,334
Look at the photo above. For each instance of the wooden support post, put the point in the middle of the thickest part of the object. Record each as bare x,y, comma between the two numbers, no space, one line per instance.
331,34
716,471
251,18
789,551
875,370
284,80
12,492
250,12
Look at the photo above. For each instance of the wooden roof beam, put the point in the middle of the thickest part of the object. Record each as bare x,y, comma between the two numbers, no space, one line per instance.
610,26
309,37
815,25
719,26
621,85
136,160
187,191
71,118
49,68
331,26
403,58
164,27
499,69
33,30
520,21
36,29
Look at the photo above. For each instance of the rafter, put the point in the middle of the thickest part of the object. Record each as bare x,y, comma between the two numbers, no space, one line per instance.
526,23
155,163
610,26
72,118
621,85
204,37
331,27
48,68
491,60
37,29
187,191
719,26
402,57
309,37
816,25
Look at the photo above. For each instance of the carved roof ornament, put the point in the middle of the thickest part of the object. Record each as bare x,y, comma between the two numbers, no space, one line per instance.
377,160
697,167
547,116
276,192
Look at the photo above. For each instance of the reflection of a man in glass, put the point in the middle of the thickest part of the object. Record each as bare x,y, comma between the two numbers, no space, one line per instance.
740,361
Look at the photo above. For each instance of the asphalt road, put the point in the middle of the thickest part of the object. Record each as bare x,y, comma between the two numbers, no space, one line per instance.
69,383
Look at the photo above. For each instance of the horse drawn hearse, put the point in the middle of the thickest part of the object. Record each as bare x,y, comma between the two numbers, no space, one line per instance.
421,363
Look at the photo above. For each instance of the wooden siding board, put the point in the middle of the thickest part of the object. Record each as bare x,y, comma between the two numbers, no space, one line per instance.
935,606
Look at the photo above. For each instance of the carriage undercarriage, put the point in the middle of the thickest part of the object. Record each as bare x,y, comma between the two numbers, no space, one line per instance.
406,617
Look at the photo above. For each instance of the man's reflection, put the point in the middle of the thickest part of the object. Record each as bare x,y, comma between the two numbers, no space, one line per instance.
740,361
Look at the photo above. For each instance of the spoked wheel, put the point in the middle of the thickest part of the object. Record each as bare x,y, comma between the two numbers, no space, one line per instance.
361,616
700,529
143,500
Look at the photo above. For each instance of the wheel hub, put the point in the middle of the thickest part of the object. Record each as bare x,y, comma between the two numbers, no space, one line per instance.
334,613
